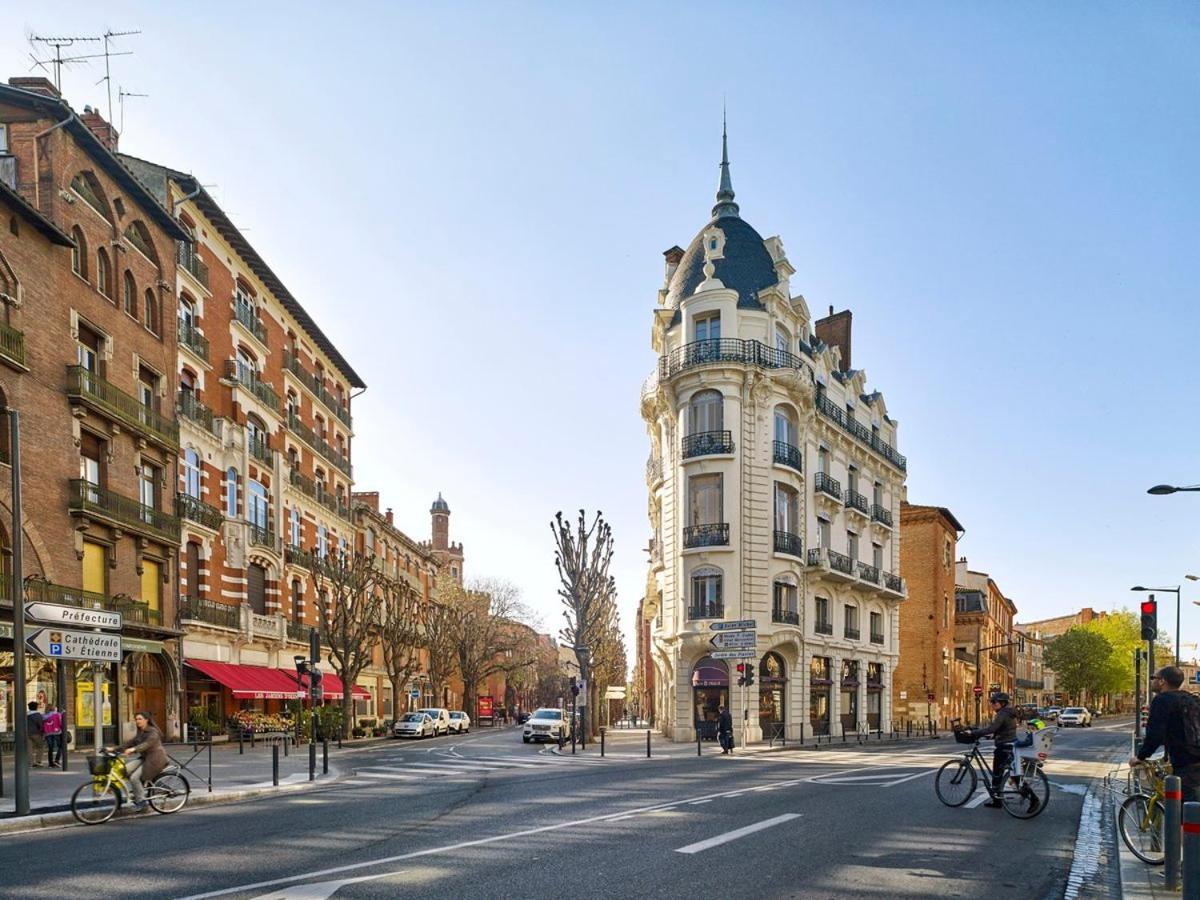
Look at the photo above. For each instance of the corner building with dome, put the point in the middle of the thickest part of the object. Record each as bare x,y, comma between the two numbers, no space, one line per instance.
774,496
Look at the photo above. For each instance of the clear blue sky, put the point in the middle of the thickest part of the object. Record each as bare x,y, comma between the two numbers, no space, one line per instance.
472,199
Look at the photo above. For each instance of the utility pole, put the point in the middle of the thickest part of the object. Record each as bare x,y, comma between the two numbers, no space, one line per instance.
20,723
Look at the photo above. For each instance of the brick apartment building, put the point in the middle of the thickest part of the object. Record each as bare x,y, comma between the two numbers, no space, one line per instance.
984,634
928,665
88,346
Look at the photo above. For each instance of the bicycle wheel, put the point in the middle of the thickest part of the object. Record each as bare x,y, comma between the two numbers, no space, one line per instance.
1026,796
955,782
94,802
1140,821
169,793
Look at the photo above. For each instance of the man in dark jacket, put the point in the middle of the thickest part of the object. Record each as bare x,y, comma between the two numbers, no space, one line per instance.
148,757
1164,728
725,731
1002,729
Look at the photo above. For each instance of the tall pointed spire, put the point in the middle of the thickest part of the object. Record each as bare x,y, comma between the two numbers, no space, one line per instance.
725,205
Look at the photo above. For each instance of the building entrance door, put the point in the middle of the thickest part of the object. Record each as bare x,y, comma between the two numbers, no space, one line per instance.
710,691
771,692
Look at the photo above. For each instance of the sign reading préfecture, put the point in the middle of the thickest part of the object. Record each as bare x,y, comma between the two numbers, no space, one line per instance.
73,615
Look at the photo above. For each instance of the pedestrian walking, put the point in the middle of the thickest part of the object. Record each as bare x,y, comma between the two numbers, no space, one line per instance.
52,730
35,740
725,731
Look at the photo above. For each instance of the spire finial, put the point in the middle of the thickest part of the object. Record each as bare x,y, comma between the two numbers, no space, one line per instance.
725,205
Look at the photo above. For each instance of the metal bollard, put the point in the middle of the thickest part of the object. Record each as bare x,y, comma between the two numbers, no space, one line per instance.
1,772
325,757
1191,850
251,738
647,743
1172,834
312,760
241,746
843,732
286,736
698,751
275,765
602,742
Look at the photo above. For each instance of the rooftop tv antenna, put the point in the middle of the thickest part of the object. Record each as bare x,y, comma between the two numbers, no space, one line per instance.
121,95
58,43
107,79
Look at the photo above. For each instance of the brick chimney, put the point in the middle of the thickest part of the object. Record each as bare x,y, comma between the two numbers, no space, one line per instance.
35,84
672,256
100,128
367,498
834,330
389,516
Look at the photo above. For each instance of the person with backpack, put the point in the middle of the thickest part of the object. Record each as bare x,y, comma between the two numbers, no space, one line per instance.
1174,723
725,730
35,740
52,731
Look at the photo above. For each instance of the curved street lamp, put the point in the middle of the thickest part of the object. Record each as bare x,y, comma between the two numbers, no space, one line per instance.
1160,489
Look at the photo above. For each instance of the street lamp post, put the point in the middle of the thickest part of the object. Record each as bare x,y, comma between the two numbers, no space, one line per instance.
979,675
1175,590
1160,490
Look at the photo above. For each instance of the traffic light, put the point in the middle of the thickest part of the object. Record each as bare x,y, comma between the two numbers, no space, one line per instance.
749,675
574,687
1149,619
741,670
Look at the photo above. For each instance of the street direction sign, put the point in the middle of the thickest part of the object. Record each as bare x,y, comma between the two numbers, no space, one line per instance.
414,693
734,639
90,645
978,690
739,625
73,615
733,654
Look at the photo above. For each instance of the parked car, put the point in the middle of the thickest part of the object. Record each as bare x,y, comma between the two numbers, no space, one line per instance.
1052,713
1075,715
460,722
414,724
441,719
522,718
546,724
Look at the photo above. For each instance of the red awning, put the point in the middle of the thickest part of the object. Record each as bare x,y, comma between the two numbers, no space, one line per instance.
333,689
257,682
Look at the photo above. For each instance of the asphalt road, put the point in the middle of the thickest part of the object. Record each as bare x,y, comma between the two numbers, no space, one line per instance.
485,816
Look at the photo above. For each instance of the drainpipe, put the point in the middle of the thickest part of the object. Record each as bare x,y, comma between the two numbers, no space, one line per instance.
37,181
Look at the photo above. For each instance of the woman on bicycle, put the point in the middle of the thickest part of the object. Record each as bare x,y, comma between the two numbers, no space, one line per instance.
148,757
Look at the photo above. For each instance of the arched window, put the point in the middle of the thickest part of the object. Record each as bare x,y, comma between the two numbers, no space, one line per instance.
129,294
369,540
785,426
707,596
294,527
103,274
772,667
256,431
231,493
257,505
191,474
247,365
293,405
783,340
187,313
79,253
706,413
297,600
150,311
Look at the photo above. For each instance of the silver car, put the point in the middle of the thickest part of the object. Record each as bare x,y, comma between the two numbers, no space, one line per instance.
414,724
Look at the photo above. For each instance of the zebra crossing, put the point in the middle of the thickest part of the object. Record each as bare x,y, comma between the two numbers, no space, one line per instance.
453,765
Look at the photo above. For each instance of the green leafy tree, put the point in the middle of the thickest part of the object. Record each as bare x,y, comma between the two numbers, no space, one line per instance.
1082,661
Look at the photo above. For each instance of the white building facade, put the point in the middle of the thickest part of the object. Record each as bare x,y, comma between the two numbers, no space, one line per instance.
774,496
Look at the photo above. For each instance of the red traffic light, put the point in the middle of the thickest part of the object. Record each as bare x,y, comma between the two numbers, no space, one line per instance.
741,667
1149,607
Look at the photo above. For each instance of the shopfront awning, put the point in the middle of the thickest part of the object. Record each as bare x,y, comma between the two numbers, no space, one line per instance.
255,682
332,688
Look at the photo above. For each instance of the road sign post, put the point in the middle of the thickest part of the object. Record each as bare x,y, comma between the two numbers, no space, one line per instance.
733,654
82,617
17,593
734,640
739,625
89,646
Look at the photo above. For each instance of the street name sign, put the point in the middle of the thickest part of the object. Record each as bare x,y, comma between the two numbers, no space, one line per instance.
88,645
733,654
73,615
739,625
730,640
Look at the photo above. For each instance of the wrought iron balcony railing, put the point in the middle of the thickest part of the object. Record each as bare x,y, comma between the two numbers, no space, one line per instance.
825,484
852,634
191,263
110,400
12,344
707,610
93,500
245,376
261,536
876,637
298,631
318,443
712,535
48,592
192,339
198,609
196,510
261,451
881,514
893,582
868,573
188,407
840,562
857,502
832,411
727,350
316,387
247,316
315,491
295,556
706,443
784,615
788,455
823,628
786,542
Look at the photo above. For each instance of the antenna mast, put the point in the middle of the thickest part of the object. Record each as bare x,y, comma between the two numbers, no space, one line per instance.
121,95
58,43
108,36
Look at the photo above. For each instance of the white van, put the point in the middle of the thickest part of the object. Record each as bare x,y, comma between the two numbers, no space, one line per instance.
441,719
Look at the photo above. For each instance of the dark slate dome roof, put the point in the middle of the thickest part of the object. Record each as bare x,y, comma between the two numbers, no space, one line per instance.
440,505
746,266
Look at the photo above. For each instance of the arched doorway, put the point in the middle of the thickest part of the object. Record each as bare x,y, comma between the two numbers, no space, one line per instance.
150,689
772,691
710,691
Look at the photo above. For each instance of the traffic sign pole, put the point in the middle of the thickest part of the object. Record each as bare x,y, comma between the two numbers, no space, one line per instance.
20,723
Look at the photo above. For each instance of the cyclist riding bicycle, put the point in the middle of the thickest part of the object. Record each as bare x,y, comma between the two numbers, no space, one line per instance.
149,759
1002,729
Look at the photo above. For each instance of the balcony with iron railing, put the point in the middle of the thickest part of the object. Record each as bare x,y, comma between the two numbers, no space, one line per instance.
198,609
106,398
262,536
789,543
881,514
314,491
837,414
788,455
188,407
851,634
893,583
876,637
839,562
298,631
247,316
196,510
713,609
260,450
316,387
823,628
241,374
868,573
784,615
824,483
132,611
712,535
296,556
856,502
193,340
191,263
727,350
12,344
100,503
707,443
318,443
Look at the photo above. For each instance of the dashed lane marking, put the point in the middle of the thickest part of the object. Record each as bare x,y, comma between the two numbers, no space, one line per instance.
737,833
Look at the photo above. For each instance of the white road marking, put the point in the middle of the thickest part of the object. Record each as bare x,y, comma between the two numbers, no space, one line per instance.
909,778
737,833
978,800
387,776
698,802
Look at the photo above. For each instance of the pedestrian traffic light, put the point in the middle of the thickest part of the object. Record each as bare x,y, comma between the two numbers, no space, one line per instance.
1149,619
749,679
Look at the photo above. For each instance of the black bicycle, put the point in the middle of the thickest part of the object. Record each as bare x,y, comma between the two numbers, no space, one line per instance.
1024,793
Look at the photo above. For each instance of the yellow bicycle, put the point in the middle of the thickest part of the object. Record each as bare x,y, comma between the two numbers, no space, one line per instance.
98,800
1142,814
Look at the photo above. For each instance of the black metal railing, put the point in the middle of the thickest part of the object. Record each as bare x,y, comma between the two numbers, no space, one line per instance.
318,443
893,582
12,344
261,536
316,387
198,609
110,399
788,455
856,501
784,615
189,407
196,510
260,450
823,628
298,631
192,339
786,542
247,316
705,443
868,573
94,500
133,611
713,535
250,380
317,492
826,484
881,514
839,562
832,411
727,350
876,637
191,263
851,634
295,556
710,609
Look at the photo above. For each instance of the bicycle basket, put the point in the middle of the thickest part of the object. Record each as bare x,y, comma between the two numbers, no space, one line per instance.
964,737
99,765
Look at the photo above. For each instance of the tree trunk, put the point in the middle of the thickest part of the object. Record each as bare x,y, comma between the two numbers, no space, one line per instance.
347,708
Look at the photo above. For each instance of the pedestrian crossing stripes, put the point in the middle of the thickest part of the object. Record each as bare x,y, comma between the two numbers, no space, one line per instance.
452,766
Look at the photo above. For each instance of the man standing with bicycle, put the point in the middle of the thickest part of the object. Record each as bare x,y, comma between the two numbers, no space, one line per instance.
1174,723
1003,730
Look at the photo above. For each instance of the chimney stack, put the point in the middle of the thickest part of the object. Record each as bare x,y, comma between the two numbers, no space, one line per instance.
673,256
100,128
834,330
389,516
35,84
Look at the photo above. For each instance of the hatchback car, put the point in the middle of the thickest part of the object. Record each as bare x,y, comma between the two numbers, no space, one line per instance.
460,722
414,724
1075,715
